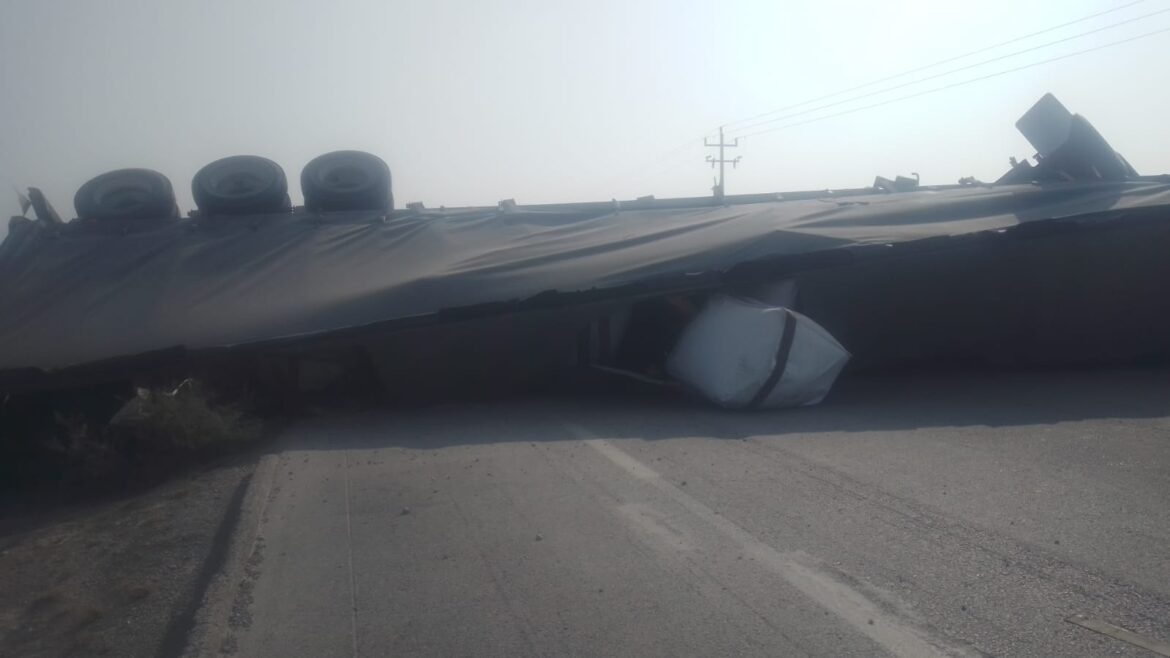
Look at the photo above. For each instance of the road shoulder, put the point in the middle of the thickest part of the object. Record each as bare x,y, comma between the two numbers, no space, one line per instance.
120,577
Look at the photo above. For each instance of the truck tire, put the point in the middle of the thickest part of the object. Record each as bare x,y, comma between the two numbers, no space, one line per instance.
241,184
347,180
126,194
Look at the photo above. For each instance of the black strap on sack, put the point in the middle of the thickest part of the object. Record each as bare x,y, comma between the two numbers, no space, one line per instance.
782,353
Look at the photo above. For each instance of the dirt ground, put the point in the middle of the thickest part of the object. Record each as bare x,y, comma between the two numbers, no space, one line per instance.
119,577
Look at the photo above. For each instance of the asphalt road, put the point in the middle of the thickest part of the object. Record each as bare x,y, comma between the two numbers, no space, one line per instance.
924,515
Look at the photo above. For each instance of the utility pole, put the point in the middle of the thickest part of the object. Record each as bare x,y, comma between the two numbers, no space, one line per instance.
718,189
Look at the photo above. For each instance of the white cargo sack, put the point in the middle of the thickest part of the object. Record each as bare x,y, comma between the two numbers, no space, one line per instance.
745,354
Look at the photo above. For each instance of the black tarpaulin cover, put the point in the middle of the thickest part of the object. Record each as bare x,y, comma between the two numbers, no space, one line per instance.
93,292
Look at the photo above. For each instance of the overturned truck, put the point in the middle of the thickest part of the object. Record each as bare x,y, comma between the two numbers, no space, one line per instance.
1060,261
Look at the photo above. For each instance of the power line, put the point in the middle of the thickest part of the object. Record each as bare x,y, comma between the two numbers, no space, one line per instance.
668,159
950,71
655,165
958,84
934,64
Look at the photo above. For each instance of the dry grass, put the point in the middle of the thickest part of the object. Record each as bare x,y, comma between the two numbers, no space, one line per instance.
158,432
183,418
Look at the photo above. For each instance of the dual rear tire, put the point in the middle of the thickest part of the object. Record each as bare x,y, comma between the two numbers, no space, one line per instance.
126,194
347,180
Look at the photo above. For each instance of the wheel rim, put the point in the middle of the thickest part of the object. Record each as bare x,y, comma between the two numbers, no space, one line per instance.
346,178
237,178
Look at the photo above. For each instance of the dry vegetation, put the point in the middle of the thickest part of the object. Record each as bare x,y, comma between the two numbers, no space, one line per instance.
153,435
184,419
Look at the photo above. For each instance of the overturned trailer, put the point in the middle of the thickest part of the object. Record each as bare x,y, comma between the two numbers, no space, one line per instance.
1061,261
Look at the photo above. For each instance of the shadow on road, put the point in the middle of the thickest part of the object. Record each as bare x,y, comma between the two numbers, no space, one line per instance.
891,402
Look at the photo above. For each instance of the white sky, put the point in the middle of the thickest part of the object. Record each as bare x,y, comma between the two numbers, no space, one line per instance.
473,101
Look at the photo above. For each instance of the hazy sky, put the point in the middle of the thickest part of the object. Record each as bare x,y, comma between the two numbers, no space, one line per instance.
473,101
